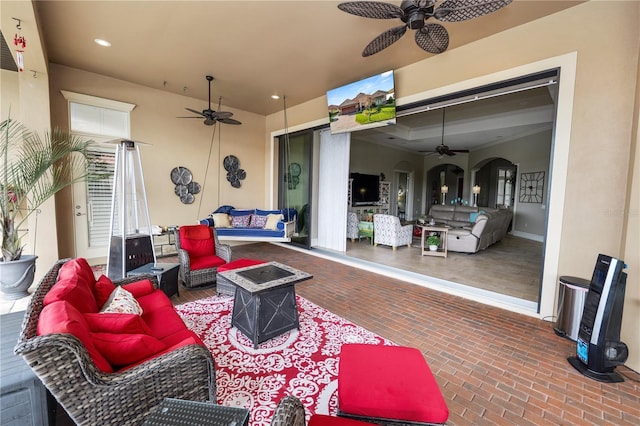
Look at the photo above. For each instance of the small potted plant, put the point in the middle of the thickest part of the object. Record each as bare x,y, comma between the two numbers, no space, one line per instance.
433,241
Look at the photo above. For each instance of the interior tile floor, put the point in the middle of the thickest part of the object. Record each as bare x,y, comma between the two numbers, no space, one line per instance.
493,366
512,266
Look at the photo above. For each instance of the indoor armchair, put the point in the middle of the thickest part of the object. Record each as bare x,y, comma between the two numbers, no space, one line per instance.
388,231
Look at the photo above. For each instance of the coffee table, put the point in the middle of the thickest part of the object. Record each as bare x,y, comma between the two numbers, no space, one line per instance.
265,300
178,412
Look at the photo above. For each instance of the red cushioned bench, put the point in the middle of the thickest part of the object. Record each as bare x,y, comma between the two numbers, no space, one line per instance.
223,285
391,384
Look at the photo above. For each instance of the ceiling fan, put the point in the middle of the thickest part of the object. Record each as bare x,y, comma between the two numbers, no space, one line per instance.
211,116
443,149
414,14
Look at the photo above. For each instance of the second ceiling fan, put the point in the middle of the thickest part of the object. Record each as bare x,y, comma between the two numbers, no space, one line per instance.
443,149
211,116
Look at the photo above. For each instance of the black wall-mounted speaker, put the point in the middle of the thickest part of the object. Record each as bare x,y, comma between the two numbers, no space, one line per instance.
598,347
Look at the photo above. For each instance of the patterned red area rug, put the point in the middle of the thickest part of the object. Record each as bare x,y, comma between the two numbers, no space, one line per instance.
303,363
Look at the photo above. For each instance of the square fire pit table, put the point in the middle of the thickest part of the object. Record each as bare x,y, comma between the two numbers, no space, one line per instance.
265,301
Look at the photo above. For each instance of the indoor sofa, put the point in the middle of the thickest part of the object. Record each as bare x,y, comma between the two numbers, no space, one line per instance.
252,224
471,228
105,359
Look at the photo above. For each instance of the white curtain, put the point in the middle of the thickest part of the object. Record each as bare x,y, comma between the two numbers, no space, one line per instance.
333,181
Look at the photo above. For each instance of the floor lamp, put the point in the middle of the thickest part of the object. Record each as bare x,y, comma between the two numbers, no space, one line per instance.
131,241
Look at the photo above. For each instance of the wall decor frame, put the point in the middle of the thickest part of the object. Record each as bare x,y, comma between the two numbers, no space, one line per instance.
532,187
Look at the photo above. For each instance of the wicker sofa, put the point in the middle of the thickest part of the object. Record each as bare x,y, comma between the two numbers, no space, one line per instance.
83,378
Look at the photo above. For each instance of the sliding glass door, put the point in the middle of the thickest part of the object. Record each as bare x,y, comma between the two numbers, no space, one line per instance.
295,154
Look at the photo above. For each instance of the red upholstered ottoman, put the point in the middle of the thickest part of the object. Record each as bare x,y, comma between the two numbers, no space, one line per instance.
226,287
388,383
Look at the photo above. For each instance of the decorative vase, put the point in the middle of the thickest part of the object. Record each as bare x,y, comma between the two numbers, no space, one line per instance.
433,248
16,276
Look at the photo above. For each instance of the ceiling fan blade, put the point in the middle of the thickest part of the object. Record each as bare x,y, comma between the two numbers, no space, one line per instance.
384,40
450,153
229,121
194,111
222,114
461,10
433,38
372,9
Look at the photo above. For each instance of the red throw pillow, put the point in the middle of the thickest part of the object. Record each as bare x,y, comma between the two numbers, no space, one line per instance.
139,288
77,267
102,289
124,349
197,240
62,318
117,323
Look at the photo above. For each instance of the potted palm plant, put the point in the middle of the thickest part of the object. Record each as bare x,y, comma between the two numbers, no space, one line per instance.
433,241
32,170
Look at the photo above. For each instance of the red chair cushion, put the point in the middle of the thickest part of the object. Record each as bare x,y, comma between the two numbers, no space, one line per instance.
197,240
239,263
62,318
205,262
389,382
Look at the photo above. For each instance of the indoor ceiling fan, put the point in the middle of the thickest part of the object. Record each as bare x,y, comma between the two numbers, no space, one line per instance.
414,14
443,149
211,116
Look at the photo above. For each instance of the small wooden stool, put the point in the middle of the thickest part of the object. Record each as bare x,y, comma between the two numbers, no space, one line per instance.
388,384
226,287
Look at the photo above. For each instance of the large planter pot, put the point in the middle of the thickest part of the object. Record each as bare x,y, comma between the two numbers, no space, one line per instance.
16,276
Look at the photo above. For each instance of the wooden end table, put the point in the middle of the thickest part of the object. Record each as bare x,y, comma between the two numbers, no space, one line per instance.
443,232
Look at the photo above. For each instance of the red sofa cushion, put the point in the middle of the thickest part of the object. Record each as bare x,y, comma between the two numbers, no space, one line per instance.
102,289
197,240
139,288
74,289
389,382
124,349
160,315
117,323
61,317
77,267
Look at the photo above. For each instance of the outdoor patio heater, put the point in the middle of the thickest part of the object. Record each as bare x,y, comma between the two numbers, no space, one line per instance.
131,241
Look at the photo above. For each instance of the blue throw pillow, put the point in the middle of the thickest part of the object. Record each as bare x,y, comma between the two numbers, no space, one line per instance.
223,209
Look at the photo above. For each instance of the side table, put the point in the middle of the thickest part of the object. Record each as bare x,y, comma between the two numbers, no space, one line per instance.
167,274
443,231
23,397
176,412
365,229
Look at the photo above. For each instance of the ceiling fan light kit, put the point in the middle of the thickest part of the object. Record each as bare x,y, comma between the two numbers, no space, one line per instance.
431,37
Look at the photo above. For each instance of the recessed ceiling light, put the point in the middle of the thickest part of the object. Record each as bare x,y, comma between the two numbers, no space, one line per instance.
102,42
275,97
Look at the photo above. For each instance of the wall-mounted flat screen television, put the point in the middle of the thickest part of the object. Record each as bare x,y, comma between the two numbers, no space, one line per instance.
362,105
365,189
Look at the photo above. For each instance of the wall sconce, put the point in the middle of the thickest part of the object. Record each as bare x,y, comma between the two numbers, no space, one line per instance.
476,191
444,189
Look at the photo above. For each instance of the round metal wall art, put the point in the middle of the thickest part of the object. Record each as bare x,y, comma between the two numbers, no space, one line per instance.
185,187
235,174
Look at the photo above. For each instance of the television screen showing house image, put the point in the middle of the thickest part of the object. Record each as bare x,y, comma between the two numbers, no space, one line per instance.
362,105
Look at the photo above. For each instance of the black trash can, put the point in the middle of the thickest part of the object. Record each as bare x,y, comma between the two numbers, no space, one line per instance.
572,293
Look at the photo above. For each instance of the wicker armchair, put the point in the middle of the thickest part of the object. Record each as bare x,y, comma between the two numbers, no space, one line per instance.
193,272
93,397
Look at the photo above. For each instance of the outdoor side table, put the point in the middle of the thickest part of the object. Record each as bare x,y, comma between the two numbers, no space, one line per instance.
179,412
167,276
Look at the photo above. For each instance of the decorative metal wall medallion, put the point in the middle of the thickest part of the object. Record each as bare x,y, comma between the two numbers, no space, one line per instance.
235,174
185,187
